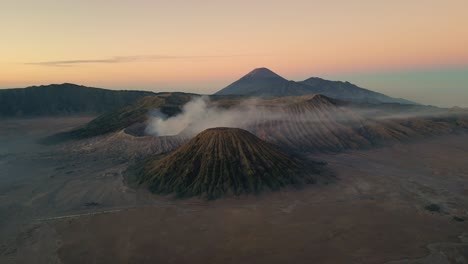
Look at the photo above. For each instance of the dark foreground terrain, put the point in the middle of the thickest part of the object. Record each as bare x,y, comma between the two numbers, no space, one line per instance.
407,203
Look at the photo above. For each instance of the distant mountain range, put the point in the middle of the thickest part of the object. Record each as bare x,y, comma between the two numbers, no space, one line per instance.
63,99
72,99
265,83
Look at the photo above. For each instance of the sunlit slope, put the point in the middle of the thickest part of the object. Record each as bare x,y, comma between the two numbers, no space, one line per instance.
318,123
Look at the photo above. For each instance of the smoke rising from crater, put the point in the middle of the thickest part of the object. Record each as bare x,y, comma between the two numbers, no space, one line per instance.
199,114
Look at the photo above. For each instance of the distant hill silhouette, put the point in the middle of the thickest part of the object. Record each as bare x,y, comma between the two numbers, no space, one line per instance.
63,99
350,92
265,83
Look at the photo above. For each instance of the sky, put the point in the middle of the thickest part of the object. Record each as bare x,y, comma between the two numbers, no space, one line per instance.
415,49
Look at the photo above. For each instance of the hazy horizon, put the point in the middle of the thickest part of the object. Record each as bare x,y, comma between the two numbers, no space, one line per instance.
414,50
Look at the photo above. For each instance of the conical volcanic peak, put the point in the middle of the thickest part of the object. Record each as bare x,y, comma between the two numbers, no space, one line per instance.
264,83
262,73
222,161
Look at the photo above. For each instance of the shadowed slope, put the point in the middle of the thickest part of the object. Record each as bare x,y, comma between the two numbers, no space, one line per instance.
63,99
124,118
220,161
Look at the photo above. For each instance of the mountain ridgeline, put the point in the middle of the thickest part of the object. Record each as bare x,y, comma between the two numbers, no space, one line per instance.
63,99
265,83
72,99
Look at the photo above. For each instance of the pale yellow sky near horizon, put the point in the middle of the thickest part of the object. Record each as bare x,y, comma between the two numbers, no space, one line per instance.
201,46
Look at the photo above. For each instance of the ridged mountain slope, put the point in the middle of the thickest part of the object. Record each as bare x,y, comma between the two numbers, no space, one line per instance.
221,161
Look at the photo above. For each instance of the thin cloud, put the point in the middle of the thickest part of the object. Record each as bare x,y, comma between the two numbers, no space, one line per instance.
123,59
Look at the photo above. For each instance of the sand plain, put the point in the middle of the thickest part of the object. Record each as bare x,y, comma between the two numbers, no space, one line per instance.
57,208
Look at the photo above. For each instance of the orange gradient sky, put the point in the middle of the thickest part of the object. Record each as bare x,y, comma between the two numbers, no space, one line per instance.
201,46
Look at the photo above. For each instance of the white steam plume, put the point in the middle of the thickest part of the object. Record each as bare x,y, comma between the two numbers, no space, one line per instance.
197,116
